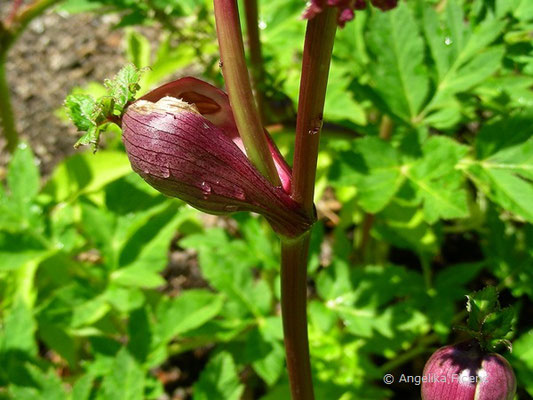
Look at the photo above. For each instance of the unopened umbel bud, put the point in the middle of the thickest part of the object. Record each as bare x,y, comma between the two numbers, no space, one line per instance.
466,372
177,150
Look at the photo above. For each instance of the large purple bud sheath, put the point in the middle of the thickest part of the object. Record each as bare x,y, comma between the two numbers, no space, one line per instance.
182,140
465,372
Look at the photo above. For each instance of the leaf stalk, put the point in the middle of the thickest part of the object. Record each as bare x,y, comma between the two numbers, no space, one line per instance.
239,88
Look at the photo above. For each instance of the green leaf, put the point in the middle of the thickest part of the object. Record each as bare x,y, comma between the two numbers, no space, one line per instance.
506,189
124,299
125,380
188,311
219,380
404,226
139,276
18,330
462,53
140,334
226,264
89,312
504,168
374,169
81,390
123,87
138,49
437,182
479,305
340,104
522,360
58,340
92,137
23,178
266,356
498,324
399,73
80,109
46,386
86,173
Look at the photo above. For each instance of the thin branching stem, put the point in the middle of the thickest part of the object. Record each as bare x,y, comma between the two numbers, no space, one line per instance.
256,56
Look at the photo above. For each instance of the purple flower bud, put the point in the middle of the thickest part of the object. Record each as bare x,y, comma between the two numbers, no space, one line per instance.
214,105
184,143
465,372
345,8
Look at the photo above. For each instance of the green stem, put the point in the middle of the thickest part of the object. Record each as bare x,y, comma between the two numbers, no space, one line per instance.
318,46
6,110
256,56
294,312
240,90
294,253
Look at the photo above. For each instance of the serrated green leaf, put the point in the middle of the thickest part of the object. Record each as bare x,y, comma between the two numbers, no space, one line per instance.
399,73
86,173
81,390
461,52
522,360
499,323
186,312
23,178
18,330
123,87
45,386
80,108
437,182
479,305
504,168
219,380
505,188
340,104
374,169
125,380
138,275
138,49
226,265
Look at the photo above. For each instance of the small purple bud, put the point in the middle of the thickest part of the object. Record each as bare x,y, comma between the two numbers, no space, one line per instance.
345,8
195,156
465,372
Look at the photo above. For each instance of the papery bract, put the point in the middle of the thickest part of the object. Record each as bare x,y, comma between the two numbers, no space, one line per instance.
465,372
190,150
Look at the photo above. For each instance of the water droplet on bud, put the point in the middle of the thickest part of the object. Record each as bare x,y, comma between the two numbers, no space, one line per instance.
206,189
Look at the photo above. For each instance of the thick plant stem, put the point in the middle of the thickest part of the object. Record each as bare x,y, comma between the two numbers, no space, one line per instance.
315,68
6,110
240,90
256,56
294,311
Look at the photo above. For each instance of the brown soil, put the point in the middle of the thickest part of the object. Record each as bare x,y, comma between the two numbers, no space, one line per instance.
54,54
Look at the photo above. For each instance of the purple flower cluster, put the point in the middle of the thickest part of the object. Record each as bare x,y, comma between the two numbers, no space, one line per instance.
346,8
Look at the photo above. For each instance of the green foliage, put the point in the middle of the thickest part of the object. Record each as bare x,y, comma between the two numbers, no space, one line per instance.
93,115
424,194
